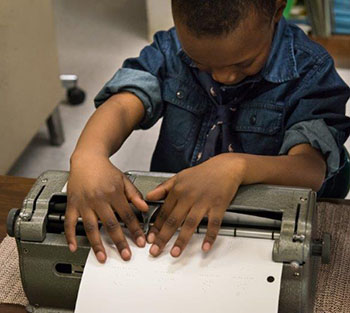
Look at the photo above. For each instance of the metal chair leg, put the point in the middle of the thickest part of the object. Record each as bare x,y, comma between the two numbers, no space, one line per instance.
54,124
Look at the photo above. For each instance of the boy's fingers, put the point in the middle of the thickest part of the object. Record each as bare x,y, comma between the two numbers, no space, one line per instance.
168,229
128,216
214,224
134,195
115,232
152,234
161,191
187,229
70,222
162,216
90,222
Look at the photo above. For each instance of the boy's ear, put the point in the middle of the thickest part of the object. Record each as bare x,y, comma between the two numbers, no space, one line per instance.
280,6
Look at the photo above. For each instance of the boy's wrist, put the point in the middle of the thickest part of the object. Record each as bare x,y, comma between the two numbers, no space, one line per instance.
235,164
80,156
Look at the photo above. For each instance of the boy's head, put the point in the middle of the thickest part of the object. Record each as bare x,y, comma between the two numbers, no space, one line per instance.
230,39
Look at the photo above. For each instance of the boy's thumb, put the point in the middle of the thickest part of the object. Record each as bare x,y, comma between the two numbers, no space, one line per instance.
161,191
135,196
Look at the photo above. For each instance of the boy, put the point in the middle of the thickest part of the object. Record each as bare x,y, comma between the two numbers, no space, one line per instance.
245,98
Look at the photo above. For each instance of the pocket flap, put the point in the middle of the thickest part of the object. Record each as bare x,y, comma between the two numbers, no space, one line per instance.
259,117
185,95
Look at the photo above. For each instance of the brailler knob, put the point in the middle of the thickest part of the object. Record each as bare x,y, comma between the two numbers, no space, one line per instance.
322,248
326,249
11,220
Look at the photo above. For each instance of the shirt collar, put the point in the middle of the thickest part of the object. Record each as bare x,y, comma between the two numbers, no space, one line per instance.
281,64
182,54
185,58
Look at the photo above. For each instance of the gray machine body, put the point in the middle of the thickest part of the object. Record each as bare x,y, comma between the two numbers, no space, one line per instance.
51,274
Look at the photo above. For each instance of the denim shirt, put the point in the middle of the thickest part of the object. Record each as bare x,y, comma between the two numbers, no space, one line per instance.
297,97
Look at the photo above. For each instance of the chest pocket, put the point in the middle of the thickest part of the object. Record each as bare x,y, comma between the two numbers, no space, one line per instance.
258,127
184,108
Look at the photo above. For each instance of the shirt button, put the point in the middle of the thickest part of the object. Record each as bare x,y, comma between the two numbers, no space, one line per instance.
180,94
253,120
212,92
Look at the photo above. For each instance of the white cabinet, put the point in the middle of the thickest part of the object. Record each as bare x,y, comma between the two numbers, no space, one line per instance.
30,89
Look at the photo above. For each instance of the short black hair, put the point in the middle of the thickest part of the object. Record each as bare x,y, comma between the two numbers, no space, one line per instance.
218,17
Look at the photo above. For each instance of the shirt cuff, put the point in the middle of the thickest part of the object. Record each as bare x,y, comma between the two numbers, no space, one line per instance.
320,136
143,85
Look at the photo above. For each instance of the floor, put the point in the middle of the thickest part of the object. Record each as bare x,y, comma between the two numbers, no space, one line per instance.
93,38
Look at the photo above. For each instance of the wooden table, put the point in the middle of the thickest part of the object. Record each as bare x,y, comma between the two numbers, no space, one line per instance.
12,192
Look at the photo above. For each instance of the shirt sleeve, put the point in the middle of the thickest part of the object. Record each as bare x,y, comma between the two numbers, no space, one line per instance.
316,115
141,76
319,136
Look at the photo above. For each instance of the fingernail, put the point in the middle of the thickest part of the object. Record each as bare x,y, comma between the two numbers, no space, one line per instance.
154,250
175,252
100,256
126,254
141,242
71,247
206,247
151,237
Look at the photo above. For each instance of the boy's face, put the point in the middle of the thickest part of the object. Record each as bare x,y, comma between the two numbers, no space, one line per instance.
231,58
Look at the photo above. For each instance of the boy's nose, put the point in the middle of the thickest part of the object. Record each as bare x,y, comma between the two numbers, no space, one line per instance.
225,77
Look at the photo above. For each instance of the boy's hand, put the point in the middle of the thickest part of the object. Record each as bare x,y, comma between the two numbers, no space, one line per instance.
206,189
96,188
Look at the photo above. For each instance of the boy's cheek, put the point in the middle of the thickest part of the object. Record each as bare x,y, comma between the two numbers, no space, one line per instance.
254,69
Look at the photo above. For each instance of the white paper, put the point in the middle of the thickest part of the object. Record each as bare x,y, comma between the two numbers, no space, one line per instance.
64,189
232,277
